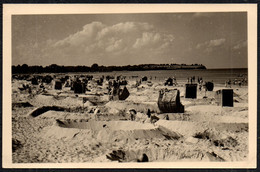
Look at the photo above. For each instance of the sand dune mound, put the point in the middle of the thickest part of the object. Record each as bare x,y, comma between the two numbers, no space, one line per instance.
88,103
230,127
110,125
21,104
185,128
130,135
107,131
126,105
218,114
52,114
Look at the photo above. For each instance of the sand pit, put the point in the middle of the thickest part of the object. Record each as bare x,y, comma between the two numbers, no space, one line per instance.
38,111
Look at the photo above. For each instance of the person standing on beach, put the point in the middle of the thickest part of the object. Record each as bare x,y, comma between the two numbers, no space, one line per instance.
175,81
200,85
239,83
229,83
148,113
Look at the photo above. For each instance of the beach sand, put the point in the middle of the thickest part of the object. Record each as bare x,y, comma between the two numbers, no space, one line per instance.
81,133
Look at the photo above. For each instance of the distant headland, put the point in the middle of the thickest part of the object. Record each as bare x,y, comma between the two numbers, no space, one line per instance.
54,68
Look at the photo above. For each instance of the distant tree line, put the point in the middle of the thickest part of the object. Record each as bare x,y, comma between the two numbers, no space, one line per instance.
54,68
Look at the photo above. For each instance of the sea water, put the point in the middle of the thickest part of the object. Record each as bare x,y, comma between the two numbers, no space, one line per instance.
219,76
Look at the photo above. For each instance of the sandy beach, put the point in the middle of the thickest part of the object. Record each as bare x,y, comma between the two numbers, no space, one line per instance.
100,130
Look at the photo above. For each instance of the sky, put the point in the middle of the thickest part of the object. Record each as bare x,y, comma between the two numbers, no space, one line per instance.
216,40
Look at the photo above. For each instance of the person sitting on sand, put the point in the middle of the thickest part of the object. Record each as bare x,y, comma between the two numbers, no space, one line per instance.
154,119
132,114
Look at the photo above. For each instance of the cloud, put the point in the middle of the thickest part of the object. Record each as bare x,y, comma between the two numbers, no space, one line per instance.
97,40
216,42
210,45
153,40
115,45
240,45
103,36
85,36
